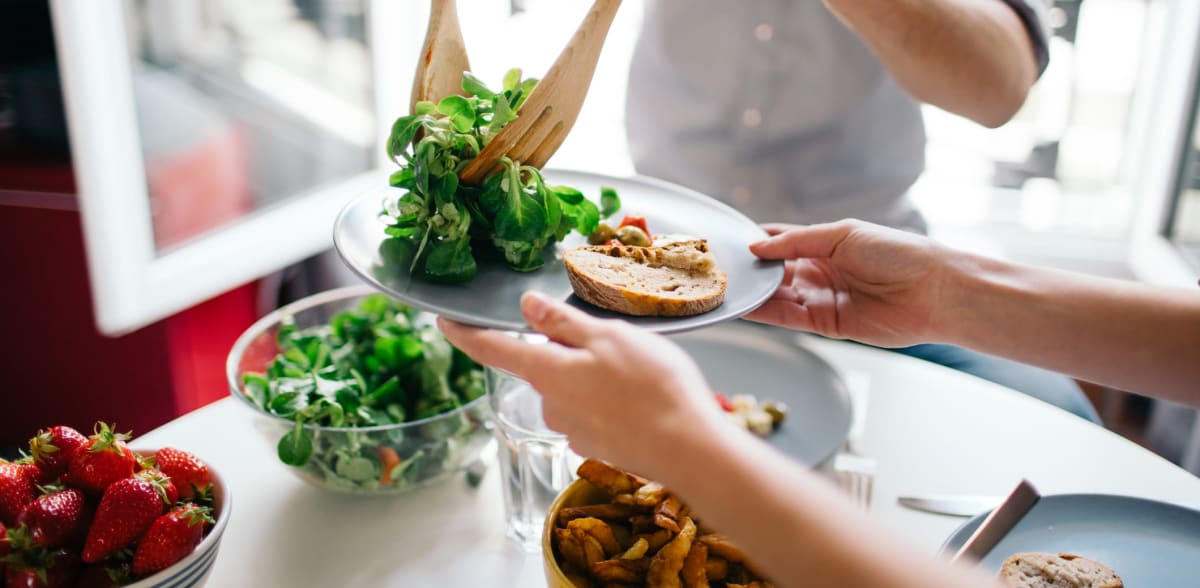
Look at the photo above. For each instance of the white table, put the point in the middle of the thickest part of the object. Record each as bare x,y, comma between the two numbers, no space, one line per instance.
931,429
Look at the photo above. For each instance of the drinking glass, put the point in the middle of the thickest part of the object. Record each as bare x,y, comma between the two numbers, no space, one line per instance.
535,462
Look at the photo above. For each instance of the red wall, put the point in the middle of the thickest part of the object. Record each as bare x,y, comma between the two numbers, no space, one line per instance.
56,368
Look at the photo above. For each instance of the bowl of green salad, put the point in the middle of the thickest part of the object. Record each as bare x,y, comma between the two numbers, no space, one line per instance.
364,393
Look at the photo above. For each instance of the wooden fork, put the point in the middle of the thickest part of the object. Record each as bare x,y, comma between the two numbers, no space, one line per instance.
551,109
443,56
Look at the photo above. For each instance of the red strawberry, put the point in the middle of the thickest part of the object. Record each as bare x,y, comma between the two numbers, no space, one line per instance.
104,459
170,491
58,519
171,538
16,489
38,568
4,547
104,575
53,449
186,470
125,512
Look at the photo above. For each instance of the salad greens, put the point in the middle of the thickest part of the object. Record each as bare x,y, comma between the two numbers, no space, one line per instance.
370,365
438,220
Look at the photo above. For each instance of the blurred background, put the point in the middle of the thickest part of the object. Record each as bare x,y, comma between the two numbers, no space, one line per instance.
222,133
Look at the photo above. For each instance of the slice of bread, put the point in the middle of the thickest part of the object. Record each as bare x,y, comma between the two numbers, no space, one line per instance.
1065,570
677,279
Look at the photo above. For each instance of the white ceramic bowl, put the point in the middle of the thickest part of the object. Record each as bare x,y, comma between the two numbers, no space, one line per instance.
194,569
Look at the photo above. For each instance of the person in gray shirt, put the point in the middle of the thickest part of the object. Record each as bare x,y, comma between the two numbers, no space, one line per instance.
807,111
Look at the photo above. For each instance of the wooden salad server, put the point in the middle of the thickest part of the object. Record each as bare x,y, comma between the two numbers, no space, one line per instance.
443,56
551,109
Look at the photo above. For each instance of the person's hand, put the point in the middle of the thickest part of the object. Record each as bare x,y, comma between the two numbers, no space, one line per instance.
619,393
855,280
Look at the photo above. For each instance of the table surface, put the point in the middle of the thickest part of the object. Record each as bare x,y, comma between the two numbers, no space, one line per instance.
932,430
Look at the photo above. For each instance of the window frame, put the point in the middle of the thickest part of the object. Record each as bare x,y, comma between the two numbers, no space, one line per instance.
133,284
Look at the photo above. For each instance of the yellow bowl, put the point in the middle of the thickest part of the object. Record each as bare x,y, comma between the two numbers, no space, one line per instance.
580,493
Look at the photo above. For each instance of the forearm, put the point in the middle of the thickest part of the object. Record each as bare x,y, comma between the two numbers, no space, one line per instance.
794,525
970,57
1120,333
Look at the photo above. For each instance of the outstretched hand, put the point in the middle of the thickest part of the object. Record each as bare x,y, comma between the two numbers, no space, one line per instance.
854,280
615,390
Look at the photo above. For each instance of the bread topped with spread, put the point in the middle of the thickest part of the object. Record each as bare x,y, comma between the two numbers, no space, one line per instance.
1064,570
678,278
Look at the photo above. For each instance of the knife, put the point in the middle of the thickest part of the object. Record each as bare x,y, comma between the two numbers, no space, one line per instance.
958,505
999,522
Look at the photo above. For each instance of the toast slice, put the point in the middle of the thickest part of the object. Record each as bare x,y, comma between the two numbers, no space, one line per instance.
677,279
1046,570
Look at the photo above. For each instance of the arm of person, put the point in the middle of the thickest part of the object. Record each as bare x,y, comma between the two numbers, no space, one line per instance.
877,285
1125,334
597,377
797,525
975,58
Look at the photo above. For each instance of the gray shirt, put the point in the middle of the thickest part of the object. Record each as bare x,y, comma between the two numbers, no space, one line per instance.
775,107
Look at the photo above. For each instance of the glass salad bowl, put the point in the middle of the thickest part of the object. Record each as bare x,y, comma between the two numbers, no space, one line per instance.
362,393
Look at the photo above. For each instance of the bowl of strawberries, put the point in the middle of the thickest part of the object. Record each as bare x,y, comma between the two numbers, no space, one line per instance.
89,511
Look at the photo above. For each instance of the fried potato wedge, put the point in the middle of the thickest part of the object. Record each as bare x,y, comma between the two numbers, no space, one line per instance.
665,567
693,572
608,512
598,530
649,495
637,550
644,536
628,571
609,478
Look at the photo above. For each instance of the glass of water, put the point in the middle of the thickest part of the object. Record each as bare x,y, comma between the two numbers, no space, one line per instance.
535,462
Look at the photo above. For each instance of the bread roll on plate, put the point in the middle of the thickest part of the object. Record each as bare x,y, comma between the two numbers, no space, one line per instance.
679,278
1065,570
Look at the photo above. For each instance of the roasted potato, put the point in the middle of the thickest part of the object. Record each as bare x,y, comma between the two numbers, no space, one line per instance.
644,536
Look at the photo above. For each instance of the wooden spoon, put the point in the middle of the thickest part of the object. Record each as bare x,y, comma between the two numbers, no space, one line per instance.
551,109
443,56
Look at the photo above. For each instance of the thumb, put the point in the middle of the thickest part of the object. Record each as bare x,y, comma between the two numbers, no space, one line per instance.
557,320
803,241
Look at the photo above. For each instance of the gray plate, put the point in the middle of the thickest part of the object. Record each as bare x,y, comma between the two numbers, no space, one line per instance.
1147,543
740,357
492,299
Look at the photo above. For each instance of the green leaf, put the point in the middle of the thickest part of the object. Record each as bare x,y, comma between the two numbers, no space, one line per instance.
526,221
403,131
610,203
474,86
588,218
451,261
295,448
527,87
444,189
460,111
355,468
255,386
567,194
552,204
424,107
402,179
512,80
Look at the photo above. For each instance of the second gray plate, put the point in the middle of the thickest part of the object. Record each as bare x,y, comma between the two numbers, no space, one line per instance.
1148,543
741,357
492,299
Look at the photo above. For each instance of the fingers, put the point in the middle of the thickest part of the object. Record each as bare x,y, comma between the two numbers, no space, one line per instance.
502,350
795,242
783,313
776,228
558,321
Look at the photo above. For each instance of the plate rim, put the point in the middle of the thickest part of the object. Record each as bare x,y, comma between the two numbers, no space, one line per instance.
949,546
684,324
787,338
